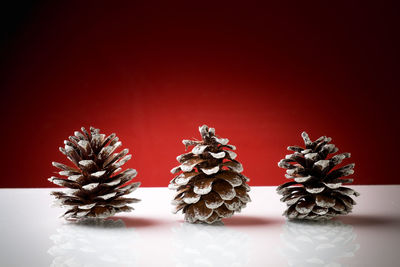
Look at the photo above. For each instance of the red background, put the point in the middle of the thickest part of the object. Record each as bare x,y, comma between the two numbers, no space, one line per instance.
259,73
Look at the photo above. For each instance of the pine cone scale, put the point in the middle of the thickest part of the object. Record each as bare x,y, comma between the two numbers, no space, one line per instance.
213,218
201,211
191,197
224,189
203,186
241,193
304,207
213,200
224,212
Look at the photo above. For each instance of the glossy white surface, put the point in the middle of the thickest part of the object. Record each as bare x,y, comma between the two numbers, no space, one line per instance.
33,235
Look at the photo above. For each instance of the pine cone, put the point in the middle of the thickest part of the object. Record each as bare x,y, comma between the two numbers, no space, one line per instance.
316,192
211,185
95,183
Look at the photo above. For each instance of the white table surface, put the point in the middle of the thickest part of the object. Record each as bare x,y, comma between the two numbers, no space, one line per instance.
32,234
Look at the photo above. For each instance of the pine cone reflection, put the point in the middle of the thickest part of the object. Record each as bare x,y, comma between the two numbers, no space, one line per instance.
324,243
94,242
209,245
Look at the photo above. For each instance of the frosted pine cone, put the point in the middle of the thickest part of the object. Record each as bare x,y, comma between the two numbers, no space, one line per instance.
96,185
316,192
211,186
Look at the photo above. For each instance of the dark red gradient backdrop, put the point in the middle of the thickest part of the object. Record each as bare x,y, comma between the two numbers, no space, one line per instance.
259,73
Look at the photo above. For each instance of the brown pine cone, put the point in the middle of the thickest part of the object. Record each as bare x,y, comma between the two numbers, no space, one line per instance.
96,183
316,192
210,186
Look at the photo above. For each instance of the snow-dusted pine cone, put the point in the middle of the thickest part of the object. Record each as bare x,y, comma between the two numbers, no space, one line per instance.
211,186
316,192
96,183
